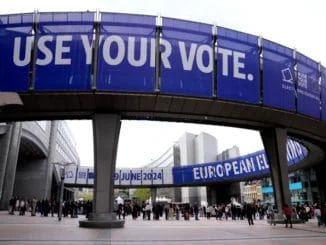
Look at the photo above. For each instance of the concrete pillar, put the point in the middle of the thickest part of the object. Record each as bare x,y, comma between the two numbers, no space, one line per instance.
5,134
10,172
321,180
106,129
274,141
51,159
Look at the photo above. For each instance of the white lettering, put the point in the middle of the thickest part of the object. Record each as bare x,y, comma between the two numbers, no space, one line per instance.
235,167
250,164
200,58
88,45
196,173
27,56
219,170
211,172
226,53
60,49
48,56
165,54
121,50
187,62
153,43
228,167
237,65
131,52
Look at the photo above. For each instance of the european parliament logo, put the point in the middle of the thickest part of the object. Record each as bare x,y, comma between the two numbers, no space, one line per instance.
287,75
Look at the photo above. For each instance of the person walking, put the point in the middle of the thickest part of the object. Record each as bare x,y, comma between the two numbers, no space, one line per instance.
196,211
287,213
250,212
317,214
33,204
271,215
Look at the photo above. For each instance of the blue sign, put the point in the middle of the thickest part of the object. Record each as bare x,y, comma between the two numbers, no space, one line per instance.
323,93
119,53
64,51
186,58
250,165
237,66
16,42
126,59
308,87
278,76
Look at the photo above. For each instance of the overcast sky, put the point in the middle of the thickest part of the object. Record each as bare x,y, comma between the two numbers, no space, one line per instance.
297,24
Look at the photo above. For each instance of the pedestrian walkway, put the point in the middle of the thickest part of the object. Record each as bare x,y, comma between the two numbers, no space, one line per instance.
19,230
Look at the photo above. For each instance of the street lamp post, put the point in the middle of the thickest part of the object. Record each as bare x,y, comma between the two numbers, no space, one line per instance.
63,166
62,177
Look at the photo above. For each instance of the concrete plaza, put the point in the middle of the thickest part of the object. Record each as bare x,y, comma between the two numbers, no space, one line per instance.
18,230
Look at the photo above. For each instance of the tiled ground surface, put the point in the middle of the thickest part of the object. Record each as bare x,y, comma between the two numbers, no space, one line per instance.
18,230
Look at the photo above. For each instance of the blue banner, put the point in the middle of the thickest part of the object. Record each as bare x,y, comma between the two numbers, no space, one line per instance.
64,51
323,93
308,87
186,58
278,76
251,165
126,59
16,43
237,66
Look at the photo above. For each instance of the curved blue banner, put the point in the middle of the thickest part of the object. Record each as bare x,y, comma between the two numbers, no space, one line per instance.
251,165
308,87
278,76
83,51
126,57
16,43
237,66
323,93
186,58
64,51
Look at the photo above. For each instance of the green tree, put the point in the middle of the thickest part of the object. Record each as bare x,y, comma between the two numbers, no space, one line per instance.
142,194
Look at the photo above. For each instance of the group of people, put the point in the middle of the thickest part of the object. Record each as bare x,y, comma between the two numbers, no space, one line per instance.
23,205
249,211
45,207
169,211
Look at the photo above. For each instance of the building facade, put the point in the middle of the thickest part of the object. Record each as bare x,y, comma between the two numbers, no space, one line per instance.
29,151
194,149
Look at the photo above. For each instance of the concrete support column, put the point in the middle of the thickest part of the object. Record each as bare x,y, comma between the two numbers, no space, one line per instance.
12,157
51,159
106,129
5,133
274,141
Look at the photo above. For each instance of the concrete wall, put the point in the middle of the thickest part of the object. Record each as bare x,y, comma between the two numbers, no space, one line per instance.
187,156
27,151
39,134
205,148
206,151
11,143
30,178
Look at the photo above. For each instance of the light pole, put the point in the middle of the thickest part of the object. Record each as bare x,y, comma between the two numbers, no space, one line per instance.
63,166
62,177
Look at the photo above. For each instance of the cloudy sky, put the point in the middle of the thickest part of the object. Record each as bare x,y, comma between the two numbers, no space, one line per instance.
297,24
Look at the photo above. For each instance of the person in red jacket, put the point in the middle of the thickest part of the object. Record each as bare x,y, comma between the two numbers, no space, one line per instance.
287,213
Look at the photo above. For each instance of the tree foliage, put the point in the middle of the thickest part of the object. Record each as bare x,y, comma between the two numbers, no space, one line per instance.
142,194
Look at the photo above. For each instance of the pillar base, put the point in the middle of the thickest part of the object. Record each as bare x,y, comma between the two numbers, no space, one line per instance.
102,220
